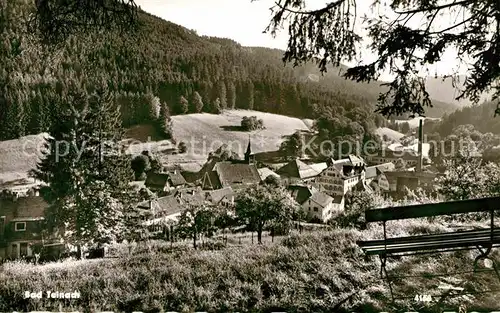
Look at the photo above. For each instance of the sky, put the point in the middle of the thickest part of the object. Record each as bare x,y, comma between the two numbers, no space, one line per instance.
244,21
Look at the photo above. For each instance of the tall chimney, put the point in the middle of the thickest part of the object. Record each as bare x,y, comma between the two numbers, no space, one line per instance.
420,140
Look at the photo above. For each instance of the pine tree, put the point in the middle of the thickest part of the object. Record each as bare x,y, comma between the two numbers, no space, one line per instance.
183,106
88,182
217,106
154,106
197,103
231,95
165,121
250,94
222,94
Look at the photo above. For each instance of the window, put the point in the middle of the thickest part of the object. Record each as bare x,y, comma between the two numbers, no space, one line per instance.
315,209
20,226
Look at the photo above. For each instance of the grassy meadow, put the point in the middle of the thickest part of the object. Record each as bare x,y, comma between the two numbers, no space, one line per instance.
210,131
316,271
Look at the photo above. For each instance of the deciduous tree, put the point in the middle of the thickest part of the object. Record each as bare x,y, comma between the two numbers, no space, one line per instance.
262,205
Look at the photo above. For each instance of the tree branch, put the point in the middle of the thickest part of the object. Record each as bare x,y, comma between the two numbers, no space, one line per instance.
444,6
314,12
451,27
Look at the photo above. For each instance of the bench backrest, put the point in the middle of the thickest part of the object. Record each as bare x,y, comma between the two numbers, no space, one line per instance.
433,209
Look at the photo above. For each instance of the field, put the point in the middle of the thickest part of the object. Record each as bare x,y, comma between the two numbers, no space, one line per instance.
202,133
317,271
18,156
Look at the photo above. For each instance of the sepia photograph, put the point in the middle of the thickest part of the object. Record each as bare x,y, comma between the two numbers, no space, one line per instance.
250,156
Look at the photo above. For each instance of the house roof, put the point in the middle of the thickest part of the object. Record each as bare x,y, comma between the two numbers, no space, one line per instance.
192,197
297,169
265,172
321,198
301,192
169,205
236,173
156,180
217,195
374,171
176,178
32,207
318,167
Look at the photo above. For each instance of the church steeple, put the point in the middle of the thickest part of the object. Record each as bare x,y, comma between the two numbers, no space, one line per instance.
248,153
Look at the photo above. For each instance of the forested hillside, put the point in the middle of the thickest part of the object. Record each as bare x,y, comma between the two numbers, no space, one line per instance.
167,63
480,116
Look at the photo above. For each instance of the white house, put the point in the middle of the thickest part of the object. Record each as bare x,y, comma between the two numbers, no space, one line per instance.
341,176
319,206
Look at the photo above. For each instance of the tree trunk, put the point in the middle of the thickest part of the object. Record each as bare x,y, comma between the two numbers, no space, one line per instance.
79,252
272,234
194,240
259,234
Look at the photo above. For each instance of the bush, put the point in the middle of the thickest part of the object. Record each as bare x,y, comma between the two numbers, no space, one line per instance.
251,123
182,147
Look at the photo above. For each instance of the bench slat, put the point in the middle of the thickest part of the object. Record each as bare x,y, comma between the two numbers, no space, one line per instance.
433,209
431,237
432,245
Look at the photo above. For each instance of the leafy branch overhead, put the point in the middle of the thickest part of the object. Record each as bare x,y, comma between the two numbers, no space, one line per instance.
330,36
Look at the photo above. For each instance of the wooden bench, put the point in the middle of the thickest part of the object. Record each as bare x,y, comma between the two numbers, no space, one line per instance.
482,239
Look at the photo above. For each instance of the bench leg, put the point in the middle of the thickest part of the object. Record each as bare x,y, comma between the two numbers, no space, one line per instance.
485,256
383,272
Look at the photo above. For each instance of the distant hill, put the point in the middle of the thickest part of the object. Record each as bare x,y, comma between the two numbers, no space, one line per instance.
444,91
480,116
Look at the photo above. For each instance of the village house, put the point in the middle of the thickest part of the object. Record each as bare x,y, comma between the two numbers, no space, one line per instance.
21,228
223,197
375,177
224,169
265,172
161,214
219,175
297,171
165,182
341,176
317,205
